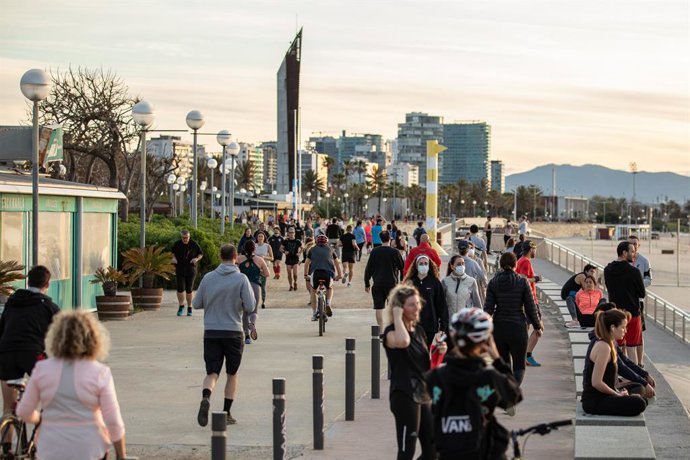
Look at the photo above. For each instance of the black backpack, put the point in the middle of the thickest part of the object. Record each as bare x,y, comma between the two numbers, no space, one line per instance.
459,420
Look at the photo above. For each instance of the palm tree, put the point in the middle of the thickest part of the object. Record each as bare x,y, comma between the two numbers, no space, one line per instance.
360,168
416,194
244,175
338,181
377,182
312,182
328,163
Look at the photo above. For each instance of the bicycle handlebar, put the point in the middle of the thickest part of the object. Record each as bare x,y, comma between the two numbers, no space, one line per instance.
543,428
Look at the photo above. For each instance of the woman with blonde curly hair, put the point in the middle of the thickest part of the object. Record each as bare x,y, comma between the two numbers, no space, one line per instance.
81,416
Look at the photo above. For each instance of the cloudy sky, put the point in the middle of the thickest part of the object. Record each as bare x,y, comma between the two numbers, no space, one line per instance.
605,82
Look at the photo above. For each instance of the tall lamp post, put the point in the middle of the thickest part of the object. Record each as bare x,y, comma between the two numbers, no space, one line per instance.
223,138
35,86
462,204
328,204
203,186
474,208
195,121
450,202
170,180
212,164
143,115
233,150
347,208
486,209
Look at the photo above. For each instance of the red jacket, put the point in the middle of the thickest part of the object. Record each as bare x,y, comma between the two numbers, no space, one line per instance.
427,250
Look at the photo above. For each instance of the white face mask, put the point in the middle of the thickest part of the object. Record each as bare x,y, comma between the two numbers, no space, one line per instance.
423,269
470,253
460,270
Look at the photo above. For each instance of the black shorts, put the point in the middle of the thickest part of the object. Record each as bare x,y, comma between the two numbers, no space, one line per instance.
228,349
349,257
321,275
13,365
291,260
380,295
185,283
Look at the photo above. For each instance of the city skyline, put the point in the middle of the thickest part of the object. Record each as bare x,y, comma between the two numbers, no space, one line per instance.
562,82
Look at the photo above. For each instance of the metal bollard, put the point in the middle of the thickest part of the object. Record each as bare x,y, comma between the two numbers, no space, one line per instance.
218,435
317,385
349,379
279,438
375,363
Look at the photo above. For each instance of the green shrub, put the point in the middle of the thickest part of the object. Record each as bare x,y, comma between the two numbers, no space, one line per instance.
165,231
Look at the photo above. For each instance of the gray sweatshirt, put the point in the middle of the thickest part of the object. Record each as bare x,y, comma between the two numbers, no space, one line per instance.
223,294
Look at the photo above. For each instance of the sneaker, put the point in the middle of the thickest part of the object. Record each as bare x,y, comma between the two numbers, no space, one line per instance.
512,410
247,340
329,312
315,316
229,420
263,305
202,418
252,331
180,311
532,362
189,312
344,280
290,288
349,284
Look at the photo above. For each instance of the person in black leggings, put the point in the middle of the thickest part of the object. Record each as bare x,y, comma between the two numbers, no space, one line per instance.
509,300
405,343
600,396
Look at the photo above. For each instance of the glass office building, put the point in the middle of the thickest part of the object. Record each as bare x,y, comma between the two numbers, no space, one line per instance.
412,136
468,152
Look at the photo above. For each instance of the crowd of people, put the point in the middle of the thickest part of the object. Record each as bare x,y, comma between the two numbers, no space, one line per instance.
458,342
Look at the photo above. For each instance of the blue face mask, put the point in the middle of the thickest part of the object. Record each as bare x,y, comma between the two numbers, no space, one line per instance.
460,270
423,269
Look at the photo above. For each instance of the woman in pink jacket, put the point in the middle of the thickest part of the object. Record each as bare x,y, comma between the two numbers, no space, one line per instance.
587,300
81,416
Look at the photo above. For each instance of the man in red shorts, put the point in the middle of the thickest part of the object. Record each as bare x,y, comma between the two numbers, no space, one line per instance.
626,288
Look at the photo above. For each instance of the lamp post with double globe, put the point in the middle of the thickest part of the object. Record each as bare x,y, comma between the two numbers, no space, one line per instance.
223,137
195,121
143,115
35,85
212,164
233,150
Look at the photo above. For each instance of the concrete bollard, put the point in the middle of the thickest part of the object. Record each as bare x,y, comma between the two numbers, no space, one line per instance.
279,438
317,385
375,362
218,435
349,379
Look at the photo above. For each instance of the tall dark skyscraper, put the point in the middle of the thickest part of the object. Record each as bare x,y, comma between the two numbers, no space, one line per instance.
288,115
467,157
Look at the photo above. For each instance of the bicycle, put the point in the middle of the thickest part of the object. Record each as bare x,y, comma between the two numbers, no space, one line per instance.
14,431
541,429
321,307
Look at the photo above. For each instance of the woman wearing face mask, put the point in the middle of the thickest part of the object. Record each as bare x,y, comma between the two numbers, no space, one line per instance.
424,276
460,288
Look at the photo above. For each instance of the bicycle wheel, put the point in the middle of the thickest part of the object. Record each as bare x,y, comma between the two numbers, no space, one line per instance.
321,310
13,436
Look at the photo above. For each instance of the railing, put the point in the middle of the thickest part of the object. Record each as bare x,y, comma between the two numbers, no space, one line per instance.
669,317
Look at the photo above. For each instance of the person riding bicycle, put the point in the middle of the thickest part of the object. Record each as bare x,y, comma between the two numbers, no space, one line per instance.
466,391
322,265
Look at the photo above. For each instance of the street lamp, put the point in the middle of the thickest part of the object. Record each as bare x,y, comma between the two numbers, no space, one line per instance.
203,186
462,203
35,86
474,208
275,204
223,138
309,197
328,204
212,164
450,202
170,180
346,195
143,115
195,121
233,150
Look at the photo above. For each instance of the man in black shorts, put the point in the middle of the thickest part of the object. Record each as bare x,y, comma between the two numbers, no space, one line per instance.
186,256
348,247
276,243
23,326
322,265
292,248
385,266
223,294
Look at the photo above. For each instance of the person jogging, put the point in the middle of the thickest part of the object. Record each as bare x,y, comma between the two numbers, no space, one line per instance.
376,233
524,269
348,248
385,267
322,265
255,269
334,232
224,294
276,242
360,238
186,255
292,248
418,232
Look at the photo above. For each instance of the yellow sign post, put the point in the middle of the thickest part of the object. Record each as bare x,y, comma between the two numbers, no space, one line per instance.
433,148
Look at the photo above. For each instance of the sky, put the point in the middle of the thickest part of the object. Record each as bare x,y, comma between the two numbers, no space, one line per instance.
586,81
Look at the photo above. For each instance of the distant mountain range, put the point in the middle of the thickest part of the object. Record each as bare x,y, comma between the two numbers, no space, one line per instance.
588,180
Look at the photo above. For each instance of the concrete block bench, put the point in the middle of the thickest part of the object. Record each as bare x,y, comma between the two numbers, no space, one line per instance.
579,350
584,419
578,338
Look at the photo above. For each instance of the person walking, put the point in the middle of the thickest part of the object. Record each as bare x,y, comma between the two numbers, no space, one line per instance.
524,268
224,294
625,288
376,233
423,248
418,232
423,275
367,234
292,248
408,355
510,302
263,250
186,255
276,242
473,269
23,325
72,395
254,268
385,267
488,230
642,264
360,238
460,288
348,248
247,236
508,231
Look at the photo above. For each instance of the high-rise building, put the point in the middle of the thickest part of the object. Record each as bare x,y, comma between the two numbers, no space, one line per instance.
288,106
270,172
255,155
314,161
359,145
412,136
467,156
498,179
405,174
325,144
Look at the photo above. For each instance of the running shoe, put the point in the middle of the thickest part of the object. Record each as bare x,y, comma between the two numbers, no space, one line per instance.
180,311
349,284
252,331
329,312
263,305
532,362
344,280
315,316
202,417
512,410
247,340
189,312
229,420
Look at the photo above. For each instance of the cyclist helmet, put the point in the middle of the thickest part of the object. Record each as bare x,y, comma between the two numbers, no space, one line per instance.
471,324
322,240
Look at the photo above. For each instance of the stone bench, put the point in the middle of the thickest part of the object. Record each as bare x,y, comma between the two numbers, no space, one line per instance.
584,419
